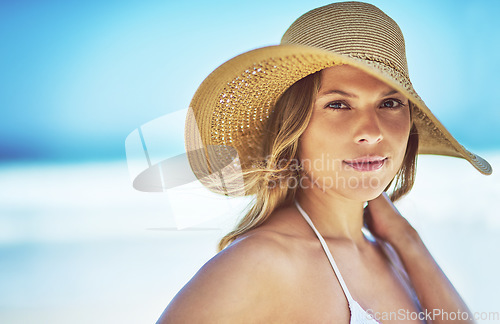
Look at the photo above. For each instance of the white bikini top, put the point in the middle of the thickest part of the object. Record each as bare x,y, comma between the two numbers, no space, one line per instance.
358,314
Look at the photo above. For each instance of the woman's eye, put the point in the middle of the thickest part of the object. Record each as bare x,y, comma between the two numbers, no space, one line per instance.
392,103
337,105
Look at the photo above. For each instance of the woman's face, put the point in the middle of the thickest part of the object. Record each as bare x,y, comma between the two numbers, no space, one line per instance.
356,139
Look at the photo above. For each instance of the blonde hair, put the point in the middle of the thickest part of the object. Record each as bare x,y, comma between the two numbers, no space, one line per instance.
287,122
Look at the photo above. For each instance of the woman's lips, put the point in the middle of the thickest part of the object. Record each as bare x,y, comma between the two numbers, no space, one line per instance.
366,163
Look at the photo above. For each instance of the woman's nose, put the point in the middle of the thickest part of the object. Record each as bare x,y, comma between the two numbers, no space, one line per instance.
368,129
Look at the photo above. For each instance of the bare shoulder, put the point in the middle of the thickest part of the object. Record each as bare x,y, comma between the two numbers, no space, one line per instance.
244,281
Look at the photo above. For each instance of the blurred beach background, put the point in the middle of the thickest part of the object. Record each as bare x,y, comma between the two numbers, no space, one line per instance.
79,244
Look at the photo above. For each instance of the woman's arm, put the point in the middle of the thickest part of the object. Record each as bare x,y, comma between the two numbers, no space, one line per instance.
434,291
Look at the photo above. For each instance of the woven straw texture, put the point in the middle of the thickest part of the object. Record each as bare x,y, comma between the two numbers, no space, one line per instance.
230,108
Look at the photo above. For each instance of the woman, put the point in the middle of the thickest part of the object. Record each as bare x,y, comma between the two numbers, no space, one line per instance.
314,128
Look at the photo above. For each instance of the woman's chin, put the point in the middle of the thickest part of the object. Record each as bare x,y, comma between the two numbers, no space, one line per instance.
362,190
354,188
362,195
359,193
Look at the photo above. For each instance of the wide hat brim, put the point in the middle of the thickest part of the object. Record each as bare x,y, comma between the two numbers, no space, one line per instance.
230,109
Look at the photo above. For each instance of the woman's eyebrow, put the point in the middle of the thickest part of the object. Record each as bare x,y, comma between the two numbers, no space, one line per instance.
338,92
390,93
351,95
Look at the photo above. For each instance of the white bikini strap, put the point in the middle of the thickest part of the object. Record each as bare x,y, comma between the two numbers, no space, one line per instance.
327,252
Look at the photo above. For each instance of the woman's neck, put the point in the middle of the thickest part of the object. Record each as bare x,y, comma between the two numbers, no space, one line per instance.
335,216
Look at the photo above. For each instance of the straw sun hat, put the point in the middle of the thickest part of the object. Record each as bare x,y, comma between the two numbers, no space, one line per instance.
228,113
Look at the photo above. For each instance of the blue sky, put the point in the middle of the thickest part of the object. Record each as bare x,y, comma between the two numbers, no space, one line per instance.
77,77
